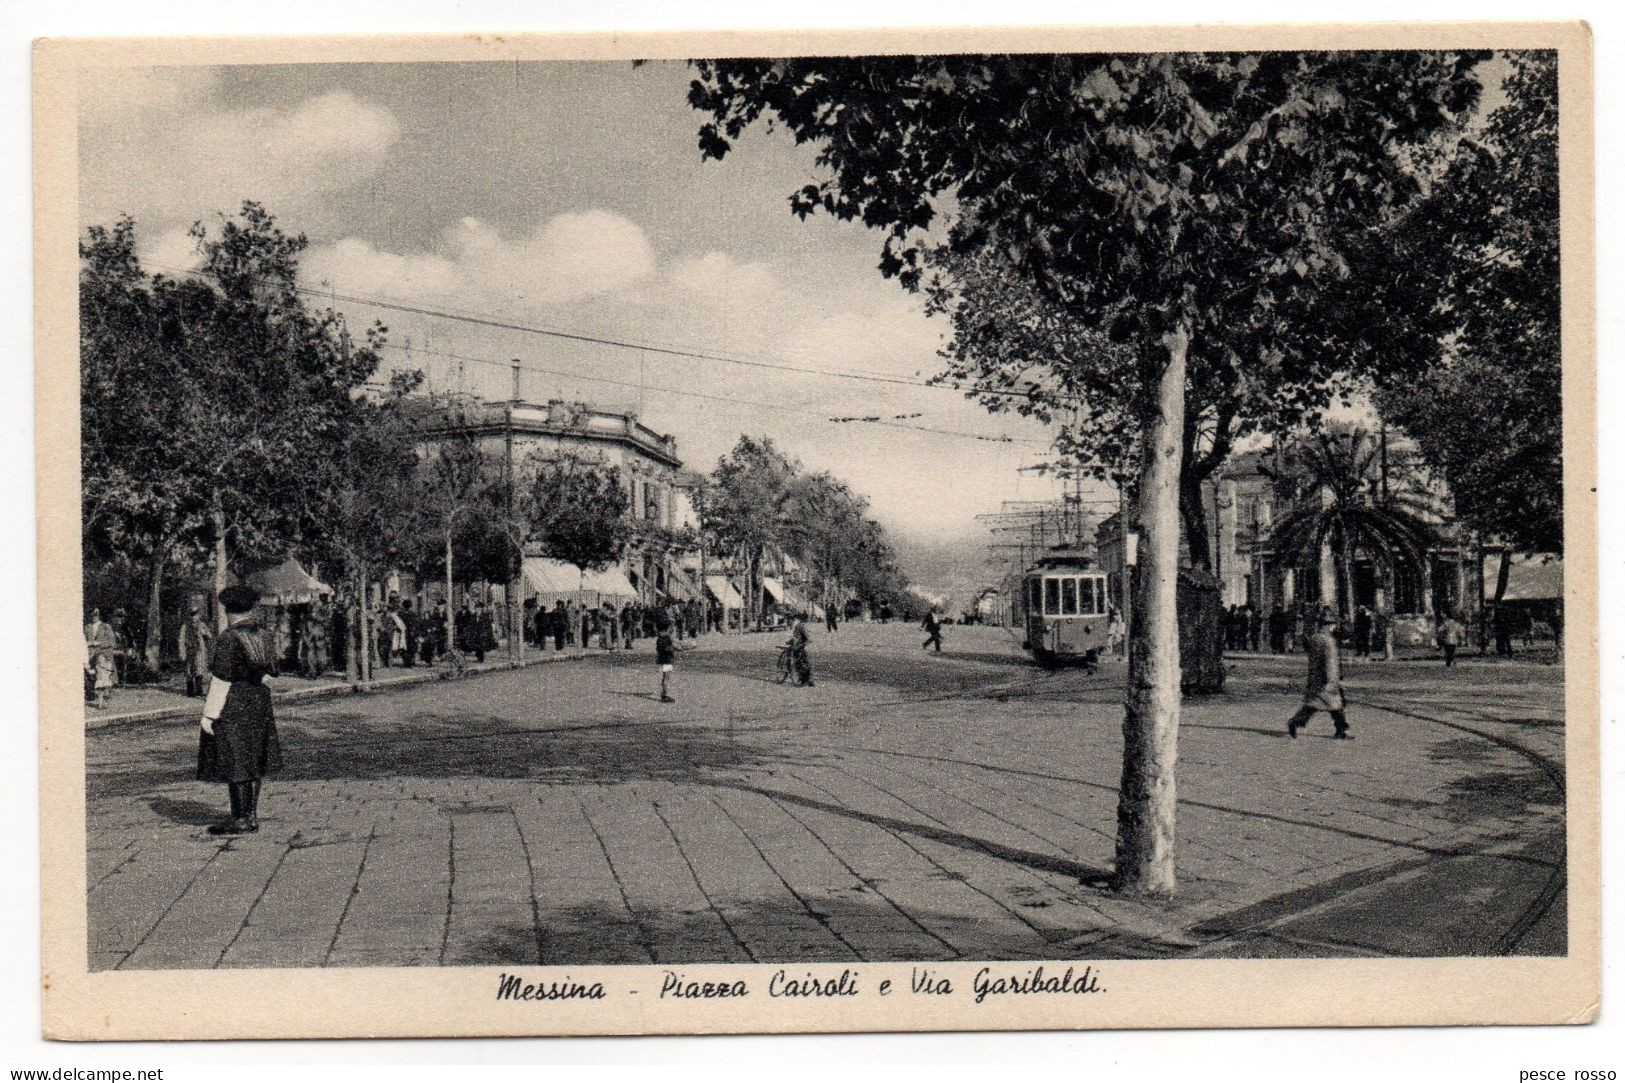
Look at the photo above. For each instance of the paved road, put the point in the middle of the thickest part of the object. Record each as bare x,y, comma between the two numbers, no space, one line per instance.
908,807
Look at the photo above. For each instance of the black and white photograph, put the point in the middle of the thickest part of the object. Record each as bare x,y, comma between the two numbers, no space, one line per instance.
923,533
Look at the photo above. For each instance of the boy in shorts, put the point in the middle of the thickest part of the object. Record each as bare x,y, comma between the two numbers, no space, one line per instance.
666,655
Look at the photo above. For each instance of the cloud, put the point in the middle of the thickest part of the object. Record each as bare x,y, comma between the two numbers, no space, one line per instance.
720,276
568,257
169,252
153,148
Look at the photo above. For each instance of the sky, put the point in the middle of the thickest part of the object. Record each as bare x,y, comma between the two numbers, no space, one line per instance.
571,196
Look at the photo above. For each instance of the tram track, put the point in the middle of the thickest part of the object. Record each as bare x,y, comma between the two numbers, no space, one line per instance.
1031,685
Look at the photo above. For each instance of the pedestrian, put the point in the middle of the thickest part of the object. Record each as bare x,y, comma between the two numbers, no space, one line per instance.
666,658
933,631
238,744
484,633
1278,623
197,639
1323,687
800,659
411,630
1362,632
1255,627
1449,635
1114,631
629,625
464,628
561,624
1501,622
830,623
101,648
121,643
313,650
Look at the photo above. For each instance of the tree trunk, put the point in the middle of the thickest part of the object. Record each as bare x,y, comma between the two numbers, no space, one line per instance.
451,616
364,630
1346,575
1328,576
155,613
1194,518
1146,795
217,516
1502,575
1385,608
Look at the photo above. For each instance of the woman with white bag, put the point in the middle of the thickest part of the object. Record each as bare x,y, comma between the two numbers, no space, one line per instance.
238,745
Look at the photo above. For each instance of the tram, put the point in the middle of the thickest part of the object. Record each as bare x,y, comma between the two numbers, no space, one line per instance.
1065,606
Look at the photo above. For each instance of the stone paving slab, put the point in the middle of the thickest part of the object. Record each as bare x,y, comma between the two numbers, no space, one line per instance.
909,807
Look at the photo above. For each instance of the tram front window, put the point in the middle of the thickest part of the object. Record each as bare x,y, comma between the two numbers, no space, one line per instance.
1069,597
1052,597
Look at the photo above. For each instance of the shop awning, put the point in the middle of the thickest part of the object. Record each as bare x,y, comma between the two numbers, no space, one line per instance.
287,584
774,589
1536,577
678,586
724,592
554,579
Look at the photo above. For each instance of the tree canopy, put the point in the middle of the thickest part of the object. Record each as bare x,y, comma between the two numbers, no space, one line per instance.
1486,247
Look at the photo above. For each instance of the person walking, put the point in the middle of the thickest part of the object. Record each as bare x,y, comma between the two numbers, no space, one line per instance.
101,650
1255,627
665,658
1114,631
1362,632
238,743
1449,636
1501,624
1278,623
1323,687
800,659
830,623
561,624
933,631
197,639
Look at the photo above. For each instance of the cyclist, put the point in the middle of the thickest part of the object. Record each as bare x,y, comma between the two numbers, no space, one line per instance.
798,651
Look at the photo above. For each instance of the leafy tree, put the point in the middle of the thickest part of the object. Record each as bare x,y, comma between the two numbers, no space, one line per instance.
460,488
742,508
213,401
1199,207
129,505
1489,412
578,511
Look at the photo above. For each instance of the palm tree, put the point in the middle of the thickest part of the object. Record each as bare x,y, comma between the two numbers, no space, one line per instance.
1345,511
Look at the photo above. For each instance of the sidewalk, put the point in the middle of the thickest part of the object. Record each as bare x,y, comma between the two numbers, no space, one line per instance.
144,703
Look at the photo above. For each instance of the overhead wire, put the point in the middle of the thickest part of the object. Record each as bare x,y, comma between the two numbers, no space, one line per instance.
333,296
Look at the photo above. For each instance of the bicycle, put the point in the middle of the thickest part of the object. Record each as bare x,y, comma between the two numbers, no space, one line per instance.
786,663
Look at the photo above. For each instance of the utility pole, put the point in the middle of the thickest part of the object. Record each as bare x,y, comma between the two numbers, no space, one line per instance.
361,648
516,634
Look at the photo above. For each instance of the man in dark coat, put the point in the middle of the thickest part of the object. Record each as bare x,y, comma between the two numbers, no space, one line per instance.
1323,687
561,624
238,744
1278,624
1362,632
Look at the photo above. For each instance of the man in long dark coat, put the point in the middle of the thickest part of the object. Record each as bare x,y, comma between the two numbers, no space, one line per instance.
238,745
1323,687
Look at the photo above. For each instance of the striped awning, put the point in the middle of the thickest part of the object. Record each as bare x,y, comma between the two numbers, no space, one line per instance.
723,591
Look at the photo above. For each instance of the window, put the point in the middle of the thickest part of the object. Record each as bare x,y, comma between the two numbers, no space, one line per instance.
1069,597
1100,597
1052,597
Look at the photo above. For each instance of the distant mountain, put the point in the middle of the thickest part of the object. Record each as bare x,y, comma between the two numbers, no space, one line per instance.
952,571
